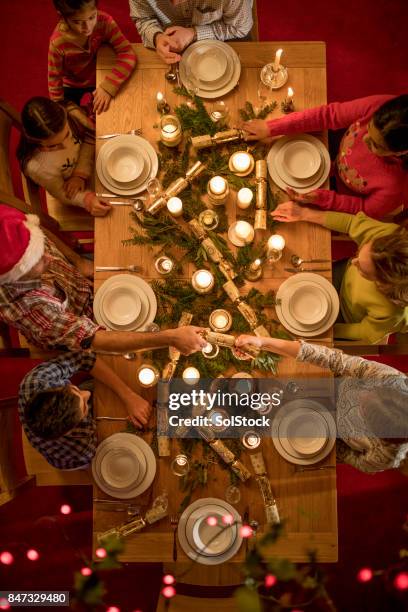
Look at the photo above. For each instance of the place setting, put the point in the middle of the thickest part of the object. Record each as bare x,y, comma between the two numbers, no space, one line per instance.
125,302
126,163
211,67
300,162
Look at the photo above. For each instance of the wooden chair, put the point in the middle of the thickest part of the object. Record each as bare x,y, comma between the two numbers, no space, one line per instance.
254,29
59,217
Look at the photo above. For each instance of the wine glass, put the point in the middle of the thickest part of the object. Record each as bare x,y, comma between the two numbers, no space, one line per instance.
180,465
264,93
192,83
219,112
154,187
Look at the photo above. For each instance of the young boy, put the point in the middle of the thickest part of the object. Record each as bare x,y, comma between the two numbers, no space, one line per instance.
73,49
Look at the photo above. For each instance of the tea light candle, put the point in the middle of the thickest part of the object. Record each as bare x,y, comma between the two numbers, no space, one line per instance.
210,351
251,440
208,218
276,62
218,185
147,375
244,198
220,320
170,130
276,243
241,163
202,281
191,375
164,265
175,206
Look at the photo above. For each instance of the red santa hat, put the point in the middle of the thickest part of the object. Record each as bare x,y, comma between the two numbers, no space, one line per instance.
21,243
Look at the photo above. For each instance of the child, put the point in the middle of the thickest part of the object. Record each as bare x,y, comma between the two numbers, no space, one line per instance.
57,150
371,165
72,54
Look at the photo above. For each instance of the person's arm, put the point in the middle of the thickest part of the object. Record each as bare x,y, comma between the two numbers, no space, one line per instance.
85,163
146,21
186,339
136,406
84,266
55,185
236,22
375,459
55,73
125,57
371,329
287,348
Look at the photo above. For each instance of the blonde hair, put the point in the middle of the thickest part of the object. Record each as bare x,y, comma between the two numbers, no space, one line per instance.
390,258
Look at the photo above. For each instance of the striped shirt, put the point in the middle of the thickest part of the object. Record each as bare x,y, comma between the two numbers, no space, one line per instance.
221,19
54,311
76,448
72,65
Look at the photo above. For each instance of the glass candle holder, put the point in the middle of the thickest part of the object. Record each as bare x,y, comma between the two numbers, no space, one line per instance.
164,265
210,351
170,130
232,494
175,206
254,271
154,187
218,190
208,219
180,466
219,112
203,281
275,246
220,320
251,440
241,163
244,198
147,375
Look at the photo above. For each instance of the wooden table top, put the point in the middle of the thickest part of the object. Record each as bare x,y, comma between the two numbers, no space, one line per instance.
306,500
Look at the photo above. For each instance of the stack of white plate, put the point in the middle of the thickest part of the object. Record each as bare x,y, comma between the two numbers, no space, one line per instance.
301,162
209,531
307,304
215,66
303,431
125,302
124,465
126,163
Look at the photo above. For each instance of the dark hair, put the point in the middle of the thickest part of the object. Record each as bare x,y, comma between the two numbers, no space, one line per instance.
42,118
68,7
390,258
392,121
53,413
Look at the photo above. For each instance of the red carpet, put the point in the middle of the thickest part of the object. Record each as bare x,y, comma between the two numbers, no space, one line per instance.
366,54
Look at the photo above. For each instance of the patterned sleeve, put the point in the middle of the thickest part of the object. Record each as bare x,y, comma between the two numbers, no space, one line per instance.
380,456
235,22
125,57
344,365
55,74
145,20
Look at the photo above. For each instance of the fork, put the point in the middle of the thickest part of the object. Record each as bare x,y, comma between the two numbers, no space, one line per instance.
313,469
307,269
131,132
174,519
131,268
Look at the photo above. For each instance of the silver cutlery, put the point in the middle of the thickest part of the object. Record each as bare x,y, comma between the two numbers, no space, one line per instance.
171,75
129,356
298,261
307,269
313,469
131,132
117,506
106,418
137,205
174,519
116,268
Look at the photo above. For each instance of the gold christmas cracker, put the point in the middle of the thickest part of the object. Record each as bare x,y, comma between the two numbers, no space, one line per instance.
260,220
227,340
258,463
240,470
229,458
212,251
261,194
197,229
248,313
271,509
125,529
175,188
227,270
261,331
203,142
232,291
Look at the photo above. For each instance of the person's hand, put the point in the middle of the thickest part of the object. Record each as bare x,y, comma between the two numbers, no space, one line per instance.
180,37
73,185
248,340
85,267
257,129
138,409
289,212
301,198
101,100
164,49
96,207
188,339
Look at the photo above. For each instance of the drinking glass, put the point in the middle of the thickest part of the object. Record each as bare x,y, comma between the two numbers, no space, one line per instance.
219,112
192,83
180,465
264,93
154,187
232,494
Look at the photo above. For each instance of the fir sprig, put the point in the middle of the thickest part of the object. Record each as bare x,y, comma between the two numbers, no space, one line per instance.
248,112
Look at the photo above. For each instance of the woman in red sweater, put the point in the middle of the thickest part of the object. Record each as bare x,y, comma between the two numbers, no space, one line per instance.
372,162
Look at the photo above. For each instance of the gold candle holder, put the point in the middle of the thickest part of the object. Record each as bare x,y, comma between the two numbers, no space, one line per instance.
203,281
287,106
220,320
161,103
147,375
241,233
218,190
275,246
254,271
241,163
208,219
164,265
210,351
170,130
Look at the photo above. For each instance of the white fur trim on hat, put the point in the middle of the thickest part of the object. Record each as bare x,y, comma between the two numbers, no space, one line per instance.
32,254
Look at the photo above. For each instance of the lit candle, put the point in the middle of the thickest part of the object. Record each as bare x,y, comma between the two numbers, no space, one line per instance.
161,102
220,320
290,94
210,350
175,207
251,439
218,185
276,243
244,197
191,375
241,162
276,63
163,265
255,265
203,281
147,375
170,130
244,231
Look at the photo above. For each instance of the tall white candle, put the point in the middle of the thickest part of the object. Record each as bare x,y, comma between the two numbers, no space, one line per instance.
276,62
290,94
276,242
175,206
243,230
203,279
244,197
218,185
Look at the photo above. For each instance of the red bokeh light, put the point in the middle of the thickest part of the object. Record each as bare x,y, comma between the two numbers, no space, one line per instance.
86,571
169,579
113,609
401,581
228,519
168,592
32,554
212,521
65,509
6,558
101,553
246,531
4,604
365,574
270,580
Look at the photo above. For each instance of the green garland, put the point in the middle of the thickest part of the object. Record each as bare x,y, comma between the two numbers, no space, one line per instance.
248,112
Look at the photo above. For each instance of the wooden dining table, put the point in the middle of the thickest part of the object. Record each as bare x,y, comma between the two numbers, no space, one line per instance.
306,500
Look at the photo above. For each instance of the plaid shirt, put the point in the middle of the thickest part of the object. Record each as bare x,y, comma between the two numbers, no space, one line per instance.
53,312
221,19
77,448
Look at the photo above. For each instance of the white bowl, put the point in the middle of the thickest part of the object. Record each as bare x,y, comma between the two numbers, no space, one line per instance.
120,467
308,305
210,65
121,305
304,431
301,159
214,540
124,164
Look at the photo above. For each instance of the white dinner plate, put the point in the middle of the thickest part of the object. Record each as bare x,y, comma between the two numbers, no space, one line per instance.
107,446
292,321
110,147
144,291
300,159
281,445
120,467
305,430
143,145
125,164
283,313
208,510
118,439
309,304
210,65
295,183
121,305
190,551
272,160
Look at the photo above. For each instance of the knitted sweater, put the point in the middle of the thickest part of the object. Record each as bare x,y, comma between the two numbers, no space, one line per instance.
362,448
50,169
369,314
73,65
369,183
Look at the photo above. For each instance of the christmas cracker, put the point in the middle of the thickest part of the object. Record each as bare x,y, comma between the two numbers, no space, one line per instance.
261,193
175,188
270,506
212,251
125,529
203,142
226,455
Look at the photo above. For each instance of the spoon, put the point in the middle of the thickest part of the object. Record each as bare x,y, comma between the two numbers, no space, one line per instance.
129,356
298,261
137,205
171,75
131,132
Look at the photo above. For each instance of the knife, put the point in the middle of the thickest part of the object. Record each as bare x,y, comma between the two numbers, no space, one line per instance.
308,270
245,521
